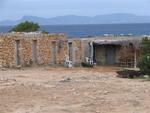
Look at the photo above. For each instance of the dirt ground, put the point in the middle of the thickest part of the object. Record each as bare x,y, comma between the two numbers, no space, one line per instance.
78,90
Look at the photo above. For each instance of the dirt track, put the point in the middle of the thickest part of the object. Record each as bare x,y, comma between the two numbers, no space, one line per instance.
51,90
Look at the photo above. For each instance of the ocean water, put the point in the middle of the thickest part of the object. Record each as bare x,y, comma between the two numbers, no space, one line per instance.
79,31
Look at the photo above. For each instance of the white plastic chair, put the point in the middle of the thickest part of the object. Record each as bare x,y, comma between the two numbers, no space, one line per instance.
68,63
88,60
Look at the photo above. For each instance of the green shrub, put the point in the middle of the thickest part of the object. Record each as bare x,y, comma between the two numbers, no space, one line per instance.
86,65
144,61
45,32
26,27
145,49
144,64
30,62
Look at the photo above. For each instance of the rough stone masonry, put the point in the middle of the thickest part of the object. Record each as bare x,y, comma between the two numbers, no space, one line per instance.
26,49
29,49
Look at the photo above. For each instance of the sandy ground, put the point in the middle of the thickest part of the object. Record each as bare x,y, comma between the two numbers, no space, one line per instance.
60,90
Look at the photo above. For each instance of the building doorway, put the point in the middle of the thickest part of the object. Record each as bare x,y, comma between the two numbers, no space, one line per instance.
34,51
54,52
18,61
110,55
70,51
104,54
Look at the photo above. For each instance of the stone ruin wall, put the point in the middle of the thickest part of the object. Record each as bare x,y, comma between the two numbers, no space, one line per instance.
44,49
45,54
77,45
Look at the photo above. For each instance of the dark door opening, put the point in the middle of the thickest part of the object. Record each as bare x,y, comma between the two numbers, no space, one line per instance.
34,51
104,54
54,52
18,62
70,51
110,55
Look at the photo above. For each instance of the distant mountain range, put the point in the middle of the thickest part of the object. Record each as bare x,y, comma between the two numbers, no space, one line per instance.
73,19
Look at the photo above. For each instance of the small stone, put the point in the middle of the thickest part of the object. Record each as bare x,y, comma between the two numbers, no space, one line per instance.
146,76
3,69
66,80
106,92
18,67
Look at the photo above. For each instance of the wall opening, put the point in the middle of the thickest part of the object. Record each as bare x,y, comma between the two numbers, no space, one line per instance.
54,52
70,51
110,55
105,54
34,51
18,61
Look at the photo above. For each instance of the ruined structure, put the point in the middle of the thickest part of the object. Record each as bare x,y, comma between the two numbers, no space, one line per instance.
26,49
119,51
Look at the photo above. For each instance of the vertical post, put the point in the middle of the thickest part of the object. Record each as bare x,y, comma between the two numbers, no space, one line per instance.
18,52
54,54
91,51
34,51
135,58
83,50
70,51
1,59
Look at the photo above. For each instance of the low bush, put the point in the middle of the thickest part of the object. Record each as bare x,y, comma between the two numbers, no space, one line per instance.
87,65
45,32
129,74
144,64
26,27
144,61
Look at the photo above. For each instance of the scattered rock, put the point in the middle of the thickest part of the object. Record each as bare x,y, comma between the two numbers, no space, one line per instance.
18,67
146,76
66,80
3,69
129,74
105,92
83,77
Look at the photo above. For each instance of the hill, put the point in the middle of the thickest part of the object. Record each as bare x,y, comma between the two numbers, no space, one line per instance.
73,19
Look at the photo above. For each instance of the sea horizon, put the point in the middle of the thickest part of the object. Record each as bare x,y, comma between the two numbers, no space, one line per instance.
90,30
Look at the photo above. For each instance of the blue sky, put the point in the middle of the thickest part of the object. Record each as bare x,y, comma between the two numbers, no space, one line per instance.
15,9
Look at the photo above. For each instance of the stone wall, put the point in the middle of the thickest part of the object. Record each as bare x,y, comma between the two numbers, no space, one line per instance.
77,45
36,49
27,49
